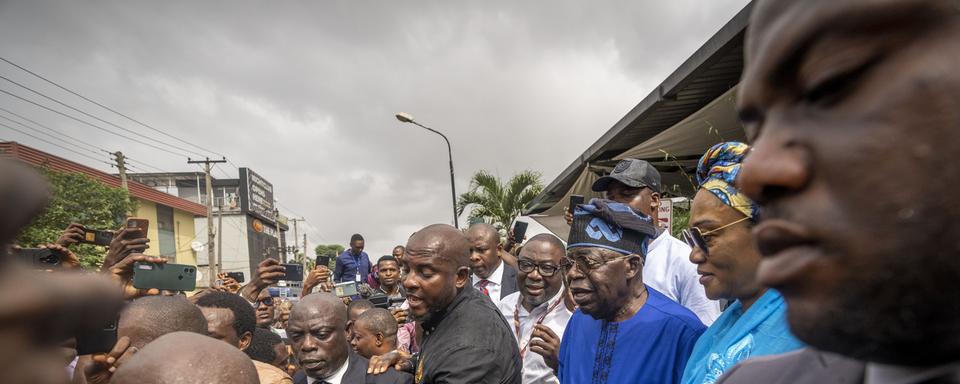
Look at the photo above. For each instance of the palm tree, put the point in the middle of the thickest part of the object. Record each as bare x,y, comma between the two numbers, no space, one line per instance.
497,203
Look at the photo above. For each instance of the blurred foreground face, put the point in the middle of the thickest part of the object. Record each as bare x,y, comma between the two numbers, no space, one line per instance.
852,110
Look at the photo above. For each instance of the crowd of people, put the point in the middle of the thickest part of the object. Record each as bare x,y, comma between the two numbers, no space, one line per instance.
824,251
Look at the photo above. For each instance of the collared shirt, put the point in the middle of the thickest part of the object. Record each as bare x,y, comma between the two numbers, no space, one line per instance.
347,266
667,269
401,294
495,283
651,347
336,377
535,370
468,342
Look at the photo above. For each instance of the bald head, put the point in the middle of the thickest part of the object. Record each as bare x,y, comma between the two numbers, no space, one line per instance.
173,359
318,334
440,240
320,303
483,230
150,317
552,241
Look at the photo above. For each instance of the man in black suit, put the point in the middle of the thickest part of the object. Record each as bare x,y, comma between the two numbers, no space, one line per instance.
318,333
851,107
490,275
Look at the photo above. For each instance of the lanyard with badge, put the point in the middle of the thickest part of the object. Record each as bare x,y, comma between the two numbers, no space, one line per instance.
516,322
356,260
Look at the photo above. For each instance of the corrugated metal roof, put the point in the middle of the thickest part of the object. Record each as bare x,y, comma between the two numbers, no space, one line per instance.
712,70
39,158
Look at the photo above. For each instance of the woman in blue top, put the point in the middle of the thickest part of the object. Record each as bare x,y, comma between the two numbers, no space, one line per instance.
721,219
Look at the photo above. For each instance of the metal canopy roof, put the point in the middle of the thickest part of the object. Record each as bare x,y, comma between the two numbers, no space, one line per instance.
712,70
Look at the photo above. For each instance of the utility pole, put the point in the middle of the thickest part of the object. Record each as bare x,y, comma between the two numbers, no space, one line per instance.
295,233
210,235
219,234
122,167
305,251
280,253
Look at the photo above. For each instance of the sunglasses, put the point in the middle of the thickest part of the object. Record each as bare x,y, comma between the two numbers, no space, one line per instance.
267,301
694,237
585,264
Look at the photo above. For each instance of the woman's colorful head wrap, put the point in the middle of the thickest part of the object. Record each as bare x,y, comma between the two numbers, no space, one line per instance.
717,172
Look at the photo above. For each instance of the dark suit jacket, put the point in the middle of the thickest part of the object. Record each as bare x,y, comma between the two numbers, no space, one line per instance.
357,373
508,284
810,366
805,366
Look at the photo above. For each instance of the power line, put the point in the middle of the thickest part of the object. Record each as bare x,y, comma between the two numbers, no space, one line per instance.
109,109
56,145
145,165
91,124
48,128
92,116
65,135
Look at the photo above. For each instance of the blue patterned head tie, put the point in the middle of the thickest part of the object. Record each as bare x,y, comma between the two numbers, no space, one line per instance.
717,172
611,225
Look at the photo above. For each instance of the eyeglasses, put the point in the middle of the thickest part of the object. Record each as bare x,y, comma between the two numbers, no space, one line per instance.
267,301
694,237
586,264
546,269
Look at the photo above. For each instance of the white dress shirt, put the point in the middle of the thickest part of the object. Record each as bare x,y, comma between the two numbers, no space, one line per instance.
336,377
494,286
535,370
668,270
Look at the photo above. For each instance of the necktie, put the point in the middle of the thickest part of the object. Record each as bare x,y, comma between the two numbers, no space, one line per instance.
482,286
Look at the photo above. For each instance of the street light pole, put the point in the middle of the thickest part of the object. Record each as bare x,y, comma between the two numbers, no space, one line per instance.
403,117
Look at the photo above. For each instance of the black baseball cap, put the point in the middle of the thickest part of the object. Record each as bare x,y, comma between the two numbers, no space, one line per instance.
631,172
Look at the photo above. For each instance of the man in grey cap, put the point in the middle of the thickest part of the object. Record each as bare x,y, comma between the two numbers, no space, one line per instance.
668,268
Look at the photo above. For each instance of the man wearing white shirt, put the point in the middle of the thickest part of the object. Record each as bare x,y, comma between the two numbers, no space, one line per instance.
490,275
667,267
318,335
537,313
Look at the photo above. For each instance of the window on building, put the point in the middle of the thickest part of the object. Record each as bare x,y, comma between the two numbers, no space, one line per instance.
166,232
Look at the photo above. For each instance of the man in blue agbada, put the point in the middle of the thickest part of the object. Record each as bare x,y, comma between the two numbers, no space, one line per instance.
721,219
623,331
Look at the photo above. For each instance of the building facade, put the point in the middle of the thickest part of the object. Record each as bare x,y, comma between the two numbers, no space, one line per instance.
251,230
172,219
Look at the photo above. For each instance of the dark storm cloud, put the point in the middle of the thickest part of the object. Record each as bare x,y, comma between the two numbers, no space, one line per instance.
304,92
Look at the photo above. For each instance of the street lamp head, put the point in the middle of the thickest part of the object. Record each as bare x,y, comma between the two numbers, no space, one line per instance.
404,117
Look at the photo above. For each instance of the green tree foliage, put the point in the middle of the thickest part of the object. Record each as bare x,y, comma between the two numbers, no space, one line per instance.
496,202
82,199
331,250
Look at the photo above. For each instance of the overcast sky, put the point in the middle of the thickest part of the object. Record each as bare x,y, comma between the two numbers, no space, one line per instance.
304,92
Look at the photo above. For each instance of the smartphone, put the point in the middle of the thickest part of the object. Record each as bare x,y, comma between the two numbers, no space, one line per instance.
99,340
238,276
136,222
324,261
41,258
294,272
97,237
575,200
519,231
170,277
346,289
